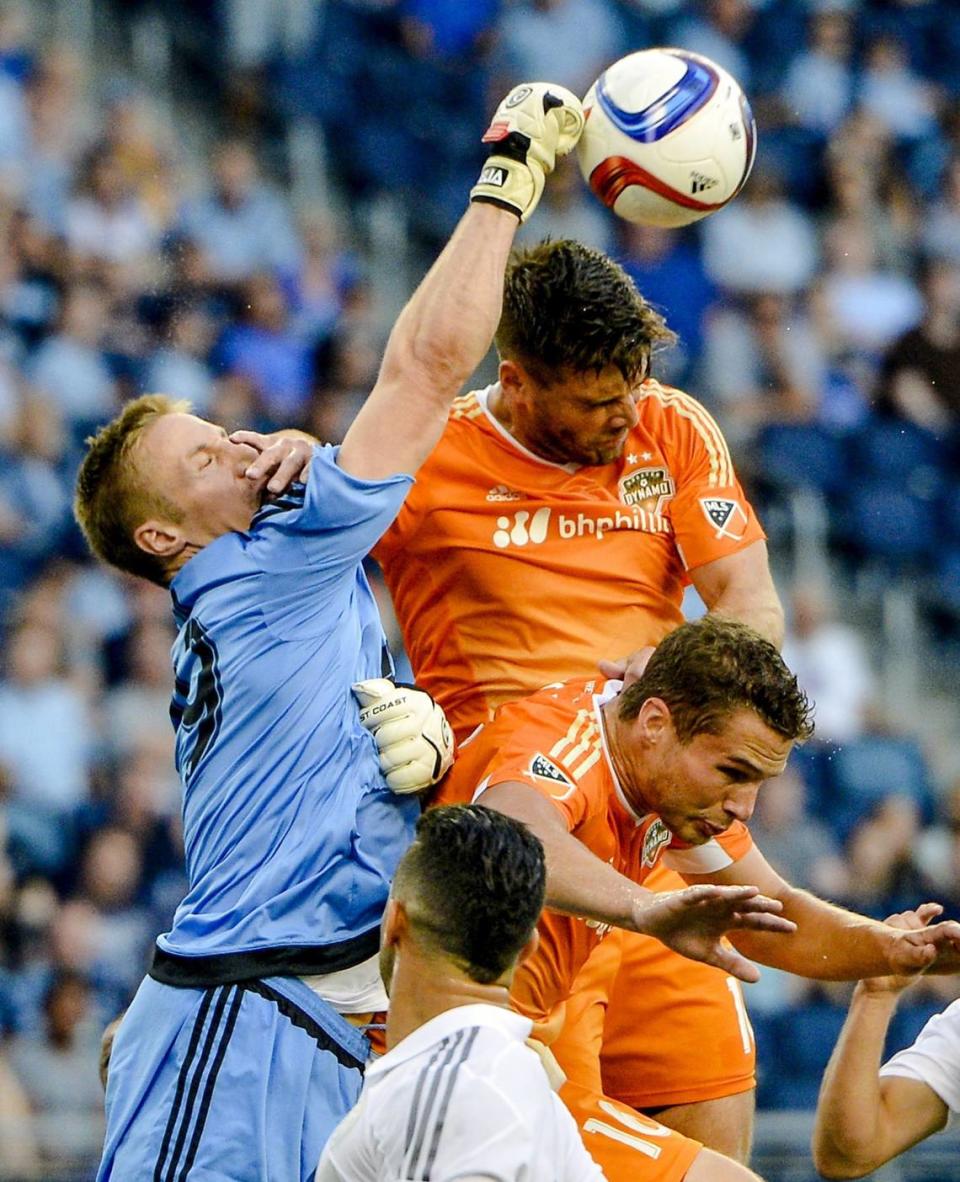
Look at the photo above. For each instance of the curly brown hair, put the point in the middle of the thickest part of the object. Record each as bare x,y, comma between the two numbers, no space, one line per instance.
708,669
112,495
570,309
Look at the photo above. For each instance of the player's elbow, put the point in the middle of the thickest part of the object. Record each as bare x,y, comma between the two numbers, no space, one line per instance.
841,1161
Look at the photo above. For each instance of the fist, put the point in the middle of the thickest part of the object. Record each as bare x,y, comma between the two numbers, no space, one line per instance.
411,731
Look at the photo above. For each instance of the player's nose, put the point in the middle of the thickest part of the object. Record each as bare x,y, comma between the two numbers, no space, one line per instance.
740,804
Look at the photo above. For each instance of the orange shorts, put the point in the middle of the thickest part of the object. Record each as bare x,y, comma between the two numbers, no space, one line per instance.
626,1146
666,1030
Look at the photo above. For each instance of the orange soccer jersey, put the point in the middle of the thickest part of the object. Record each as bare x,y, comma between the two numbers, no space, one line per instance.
508,571
554,742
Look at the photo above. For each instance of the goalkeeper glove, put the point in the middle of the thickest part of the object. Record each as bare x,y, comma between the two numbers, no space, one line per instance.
535,123
411,732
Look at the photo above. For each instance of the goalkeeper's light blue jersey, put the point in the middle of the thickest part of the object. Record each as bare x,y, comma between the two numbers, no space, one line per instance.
291,835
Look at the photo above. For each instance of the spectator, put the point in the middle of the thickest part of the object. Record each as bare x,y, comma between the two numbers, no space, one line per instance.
668,271
58,1074
567,41
880,853
797,844
831,664
818,87
892,92
718,32
69,367
763,363
762,242
107,220
36,702
941,232
868,307
569,211
180,365
263,349
138,707
241,225
920,381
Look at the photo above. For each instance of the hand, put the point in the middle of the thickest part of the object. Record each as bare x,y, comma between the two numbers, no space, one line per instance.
627,669
908,921
535,123
693,921
283,459
411,732
916,949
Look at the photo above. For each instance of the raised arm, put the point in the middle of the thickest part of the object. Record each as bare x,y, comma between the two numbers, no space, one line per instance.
863,1119
830,943
692,921
740,587
445,330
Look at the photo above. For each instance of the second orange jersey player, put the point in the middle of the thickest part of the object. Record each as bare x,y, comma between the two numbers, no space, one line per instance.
569,746
558,521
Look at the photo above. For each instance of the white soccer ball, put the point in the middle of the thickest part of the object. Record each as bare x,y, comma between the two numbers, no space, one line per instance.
669,138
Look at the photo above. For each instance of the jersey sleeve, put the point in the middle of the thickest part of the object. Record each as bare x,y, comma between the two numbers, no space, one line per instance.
329,524
715,854
526,758
934,1059
710,514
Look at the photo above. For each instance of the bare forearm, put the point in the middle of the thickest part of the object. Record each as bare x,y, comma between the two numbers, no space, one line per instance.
830,944
848,1132
446,327
440,338
764,615
578,882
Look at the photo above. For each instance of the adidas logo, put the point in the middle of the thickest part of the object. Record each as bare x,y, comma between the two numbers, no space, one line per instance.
699,183
502,493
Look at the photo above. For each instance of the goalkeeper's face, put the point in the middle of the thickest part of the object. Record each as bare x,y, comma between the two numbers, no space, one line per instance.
579,418
195,467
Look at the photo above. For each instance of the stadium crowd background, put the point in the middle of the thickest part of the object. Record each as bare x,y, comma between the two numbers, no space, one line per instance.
228,204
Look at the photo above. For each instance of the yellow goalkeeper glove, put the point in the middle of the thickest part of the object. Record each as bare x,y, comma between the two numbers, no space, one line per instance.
535,123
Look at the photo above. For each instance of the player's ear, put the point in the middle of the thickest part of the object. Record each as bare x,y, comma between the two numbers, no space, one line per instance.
159,538
530,947
512,377
653,721
395,923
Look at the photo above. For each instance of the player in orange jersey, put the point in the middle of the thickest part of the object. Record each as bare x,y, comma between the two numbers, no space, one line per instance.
558,520
669,768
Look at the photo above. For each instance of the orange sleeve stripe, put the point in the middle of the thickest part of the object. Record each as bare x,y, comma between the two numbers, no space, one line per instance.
721,465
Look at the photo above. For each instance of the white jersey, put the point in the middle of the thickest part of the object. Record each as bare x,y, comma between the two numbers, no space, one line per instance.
461,1097
934,1059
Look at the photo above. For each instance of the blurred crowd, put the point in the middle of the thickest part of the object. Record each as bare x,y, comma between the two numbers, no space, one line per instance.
819,318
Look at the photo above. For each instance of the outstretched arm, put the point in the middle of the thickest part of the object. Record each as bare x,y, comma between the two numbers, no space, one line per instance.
864,1120
445,330
691,922
830,943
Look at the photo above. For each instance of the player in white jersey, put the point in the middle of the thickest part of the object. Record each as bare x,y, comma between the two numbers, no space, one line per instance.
868,1114
459,1094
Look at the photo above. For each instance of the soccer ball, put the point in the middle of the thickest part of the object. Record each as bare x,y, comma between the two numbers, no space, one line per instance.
669,137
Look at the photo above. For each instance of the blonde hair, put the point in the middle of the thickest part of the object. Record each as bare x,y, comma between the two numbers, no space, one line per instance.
113,497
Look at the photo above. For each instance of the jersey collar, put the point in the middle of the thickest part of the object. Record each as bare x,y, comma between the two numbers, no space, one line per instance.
483,397
607,694
511,1024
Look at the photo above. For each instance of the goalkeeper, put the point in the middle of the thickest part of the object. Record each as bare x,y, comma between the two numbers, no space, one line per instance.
244,1045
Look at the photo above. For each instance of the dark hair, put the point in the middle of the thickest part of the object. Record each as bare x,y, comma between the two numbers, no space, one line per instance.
477,880
708,669
570,309
113,495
